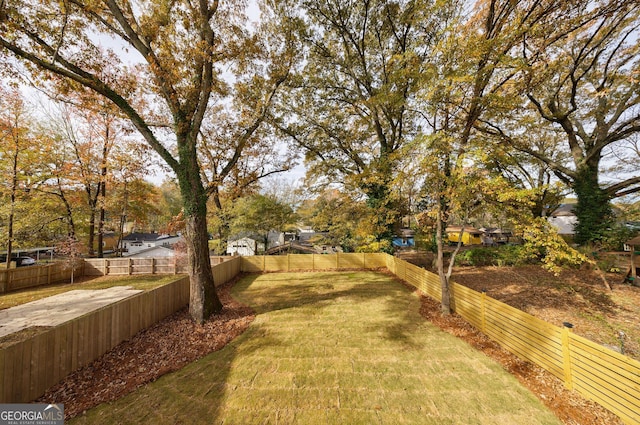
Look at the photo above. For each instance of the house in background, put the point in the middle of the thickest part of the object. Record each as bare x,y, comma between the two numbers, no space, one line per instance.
470,235
275,238
133,243
153,252
564,220
404,238
245,244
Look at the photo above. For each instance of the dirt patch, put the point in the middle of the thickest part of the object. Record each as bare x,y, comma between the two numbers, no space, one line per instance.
609,318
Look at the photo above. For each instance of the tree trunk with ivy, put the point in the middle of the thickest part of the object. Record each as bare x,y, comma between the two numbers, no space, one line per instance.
593,210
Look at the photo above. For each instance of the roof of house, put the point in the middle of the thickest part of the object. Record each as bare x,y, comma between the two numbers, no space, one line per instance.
137,236
470,230
405,233
634,242
167,250
564,210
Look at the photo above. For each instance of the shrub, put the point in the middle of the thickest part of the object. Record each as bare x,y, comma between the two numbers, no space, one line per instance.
506,255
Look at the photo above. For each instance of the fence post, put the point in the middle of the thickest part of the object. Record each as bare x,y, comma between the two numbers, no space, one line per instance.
566,355
337,261
483,300
153,265
130,266
288,262
105,267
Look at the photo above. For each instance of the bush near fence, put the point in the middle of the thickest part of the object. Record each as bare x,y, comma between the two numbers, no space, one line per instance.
600,374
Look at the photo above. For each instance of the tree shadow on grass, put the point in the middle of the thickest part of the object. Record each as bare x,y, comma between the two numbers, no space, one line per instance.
221,384
312,289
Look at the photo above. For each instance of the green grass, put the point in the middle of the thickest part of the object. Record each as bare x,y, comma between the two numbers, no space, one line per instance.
144,282
332,348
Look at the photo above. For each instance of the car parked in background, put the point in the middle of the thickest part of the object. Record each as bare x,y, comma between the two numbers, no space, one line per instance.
21,261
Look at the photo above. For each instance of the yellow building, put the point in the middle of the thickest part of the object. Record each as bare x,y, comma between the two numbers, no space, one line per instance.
470,235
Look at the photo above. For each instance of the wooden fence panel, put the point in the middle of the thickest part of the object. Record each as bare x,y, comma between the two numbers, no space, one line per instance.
37,275
469,304
274,263
95,266
165,265
414,275
325,261
143,266
301,261
375,260
526,336
606,377
30,367
252,264
600,374
351,260
224,272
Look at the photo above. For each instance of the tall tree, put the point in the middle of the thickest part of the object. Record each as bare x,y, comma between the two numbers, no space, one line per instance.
351,109
238,146
179,47
90,128
472,64
261,214
15,145
582,77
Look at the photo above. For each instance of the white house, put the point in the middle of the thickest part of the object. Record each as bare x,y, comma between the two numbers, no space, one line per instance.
245,244
564,219
136,242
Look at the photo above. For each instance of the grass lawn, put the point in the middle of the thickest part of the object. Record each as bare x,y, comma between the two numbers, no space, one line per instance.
332,348
144,282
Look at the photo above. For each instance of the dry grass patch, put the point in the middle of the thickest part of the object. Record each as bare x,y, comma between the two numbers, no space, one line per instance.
332,348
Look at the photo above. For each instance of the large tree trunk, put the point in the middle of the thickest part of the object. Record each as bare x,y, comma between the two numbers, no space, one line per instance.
445,303
203,301
593,210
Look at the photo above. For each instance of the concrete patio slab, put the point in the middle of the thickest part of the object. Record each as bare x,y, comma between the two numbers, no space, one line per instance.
57,309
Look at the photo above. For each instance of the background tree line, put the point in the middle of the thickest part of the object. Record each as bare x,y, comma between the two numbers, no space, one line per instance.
431,107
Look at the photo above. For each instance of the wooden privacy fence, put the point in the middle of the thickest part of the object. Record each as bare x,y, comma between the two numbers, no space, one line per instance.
29,367
131,266
26,277
313,262
598,373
